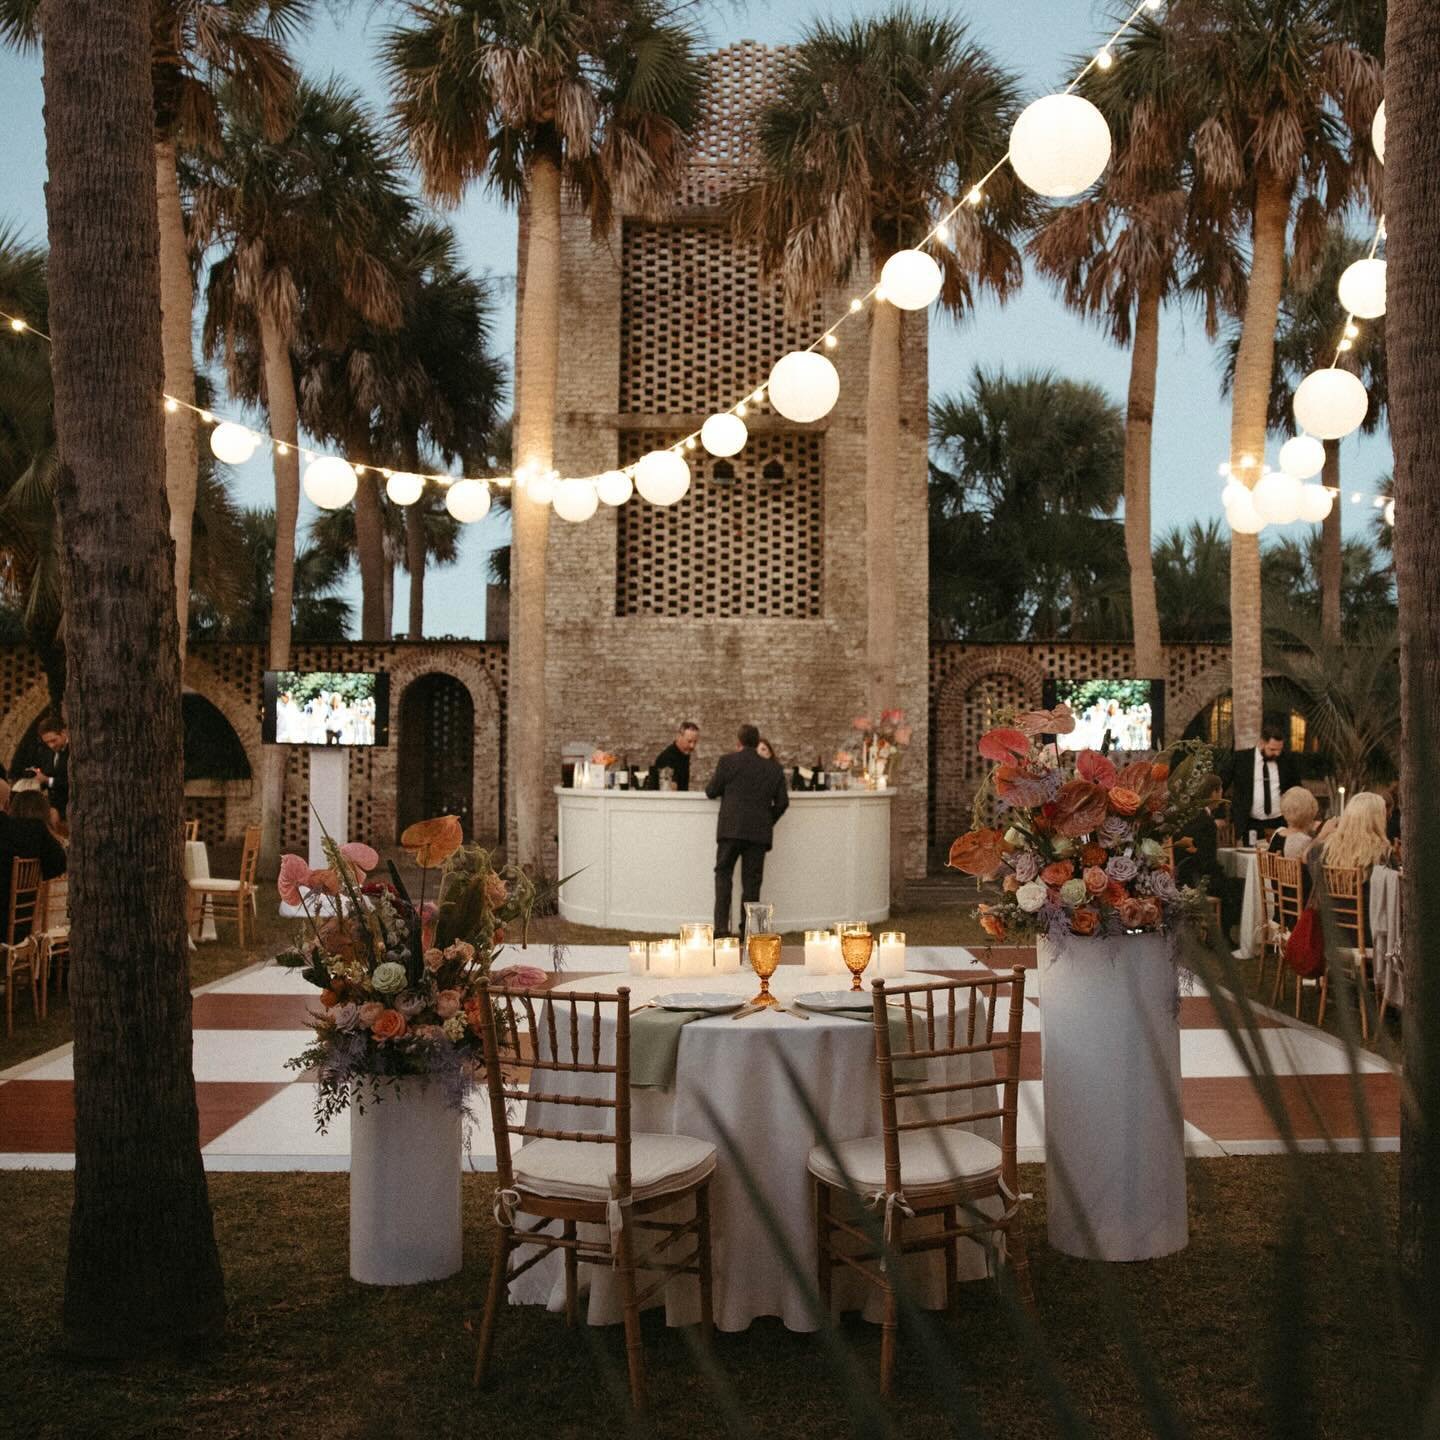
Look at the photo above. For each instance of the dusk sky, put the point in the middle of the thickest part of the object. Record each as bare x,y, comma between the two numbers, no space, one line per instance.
1035,38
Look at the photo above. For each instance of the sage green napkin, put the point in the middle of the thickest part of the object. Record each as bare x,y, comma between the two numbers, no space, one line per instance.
655,1042
905,1069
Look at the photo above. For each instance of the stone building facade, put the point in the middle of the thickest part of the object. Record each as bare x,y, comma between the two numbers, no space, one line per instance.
746,600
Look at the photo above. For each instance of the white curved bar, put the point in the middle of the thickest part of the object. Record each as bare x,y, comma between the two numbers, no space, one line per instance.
645,860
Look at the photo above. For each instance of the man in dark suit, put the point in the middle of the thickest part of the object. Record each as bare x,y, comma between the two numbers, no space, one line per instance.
1258,779
675,758
753,796
54,774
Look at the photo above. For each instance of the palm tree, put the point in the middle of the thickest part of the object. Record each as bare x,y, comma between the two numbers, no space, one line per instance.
1192,582
880,125
1294,575
143,1271
302,225
1273,81
197,48
527,96
1413,345
1142,240
1311,323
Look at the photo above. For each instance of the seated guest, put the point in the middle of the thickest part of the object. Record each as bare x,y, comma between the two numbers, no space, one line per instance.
1201,864
1258,778
1357,842
675,758
25,835
766,750
753,796
54,775
1294,838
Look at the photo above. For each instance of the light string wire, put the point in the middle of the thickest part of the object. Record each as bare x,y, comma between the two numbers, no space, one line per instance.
973,196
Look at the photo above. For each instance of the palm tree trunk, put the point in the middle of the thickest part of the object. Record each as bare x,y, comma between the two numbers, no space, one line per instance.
536,377
1331,562
177,301
882,443
143,1271
388,607
1254,363
1412,330
1139,428
370,551
415,564
284,426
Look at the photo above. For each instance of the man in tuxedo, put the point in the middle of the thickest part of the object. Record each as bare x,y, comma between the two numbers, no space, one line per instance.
54,774
753,796
1258,780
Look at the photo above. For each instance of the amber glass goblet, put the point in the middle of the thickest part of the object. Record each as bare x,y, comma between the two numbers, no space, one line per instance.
855,951
764,957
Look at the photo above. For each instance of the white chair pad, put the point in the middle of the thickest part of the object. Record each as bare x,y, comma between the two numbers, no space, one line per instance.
580,1170
228,887
929,1160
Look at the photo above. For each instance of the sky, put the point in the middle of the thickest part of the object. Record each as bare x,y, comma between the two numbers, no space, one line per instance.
1036,39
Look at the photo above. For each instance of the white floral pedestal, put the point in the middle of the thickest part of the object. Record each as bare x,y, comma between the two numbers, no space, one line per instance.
1114,1131
404,1184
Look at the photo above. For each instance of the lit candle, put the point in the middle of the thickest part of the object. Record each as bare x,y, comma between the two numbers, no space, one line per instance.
639,957
890,957
697,949
1342,800
664,958
727,955
822,953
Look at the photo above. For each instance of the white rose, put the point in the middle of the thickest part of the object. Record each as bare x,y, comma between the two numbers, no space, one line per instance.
389,978
1031,897
1014,838
1062,846
454,1027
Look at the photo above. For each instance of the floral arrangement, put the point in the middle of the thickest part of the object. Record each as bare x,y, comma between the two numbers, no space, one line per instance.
399,978
604,758
1082,850
876,747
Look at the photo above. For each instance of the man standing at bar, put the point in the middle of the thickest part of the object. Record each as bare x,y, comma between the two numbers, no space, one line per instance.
675,757
753,796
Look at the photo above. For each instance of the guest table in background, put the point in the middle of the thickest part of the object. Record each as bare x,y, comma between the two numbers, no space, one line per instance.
1243,864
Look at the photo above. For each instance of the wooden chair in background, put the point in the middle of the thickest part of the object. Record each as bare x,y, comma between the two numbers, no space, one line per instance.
192,831
19,941
1225,834
1346,889
612,1179
927,1163
228,899
1282,898
52,935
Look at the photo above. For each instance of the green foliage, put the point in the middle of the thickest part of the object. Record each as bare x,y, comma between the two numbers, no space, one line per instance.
303,685
1126,693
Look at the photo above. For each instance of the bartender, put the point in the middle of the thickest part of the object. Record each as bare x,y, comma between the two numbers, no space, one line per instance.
675,757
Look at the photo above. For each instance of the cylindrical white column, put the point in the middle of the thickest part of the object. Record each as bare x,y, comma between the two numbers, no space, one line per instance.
404,1185
1114,1129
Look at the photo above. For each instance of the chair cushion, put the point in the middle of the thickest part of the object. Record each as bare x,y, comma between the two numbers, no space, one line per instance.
580,1170
224,886
930,1160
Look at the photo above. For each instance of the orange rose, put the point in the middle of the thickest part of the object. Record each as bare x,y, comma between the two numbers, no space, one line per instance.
1132,913
1084,921
328,998
992,925
1010,884
1159,771
1096,880
1058,872
1123,801
1093,855
1150,911
1116,894
389,1025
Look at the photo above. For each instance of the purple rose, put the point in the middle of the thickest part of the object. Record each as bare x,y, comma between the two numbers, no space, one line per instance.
1115,830
411,1003
1026,865
1163,886
1121,868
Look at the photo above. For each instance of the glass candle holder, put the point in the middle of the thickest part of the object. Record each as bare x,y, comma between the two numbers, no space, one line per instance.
664,957
639,957
727,955
697,950
890,954
822,953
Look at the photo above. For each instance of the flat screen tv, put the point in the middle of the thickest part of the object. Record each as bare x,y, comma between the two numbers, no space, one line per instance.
1123,715
326,707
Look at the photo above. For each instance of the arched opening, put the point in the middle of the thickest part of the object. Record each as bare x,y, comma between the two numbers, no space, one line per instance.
722,472
435,768
212,748
774,471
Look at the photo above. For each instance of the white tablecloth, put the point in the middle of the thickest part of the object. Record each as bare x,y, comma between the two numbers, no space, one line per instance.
197,867
735,1066
1237,864
1387,928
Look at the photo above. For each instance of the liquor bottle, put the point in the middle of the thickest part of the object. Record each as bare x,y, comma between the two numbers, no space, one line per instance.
796,783
821,780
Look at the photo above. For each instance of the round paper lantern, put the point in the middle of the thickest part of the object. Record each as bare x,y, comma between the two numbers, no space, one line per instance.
233,443
330,482
1377,132
911,279
1389,512
1302,457
468,500
1331,403
540,486
1315,503
575,500
1060,145
724,434
662,477
404,488
1277,498
1244,516
803,386
1362,289
614,487
1232,492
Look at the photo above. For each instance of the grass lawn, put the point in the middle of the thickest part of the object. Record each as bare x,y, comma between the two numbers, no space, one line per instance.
1231,1343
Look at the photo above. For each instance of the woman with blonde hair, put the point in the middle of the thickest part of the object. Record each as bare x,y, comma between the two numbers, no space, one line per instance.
1358,839
1295,837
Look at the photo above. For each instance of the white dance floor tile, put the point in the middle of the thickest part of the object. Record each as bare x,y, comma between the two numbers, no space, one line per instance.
284,1126
266,979
1290,1052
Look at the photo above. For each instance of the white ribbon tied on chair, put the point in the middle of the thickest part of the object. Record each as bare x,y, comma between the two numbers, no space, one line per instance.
615,1219
505,1205
893,1200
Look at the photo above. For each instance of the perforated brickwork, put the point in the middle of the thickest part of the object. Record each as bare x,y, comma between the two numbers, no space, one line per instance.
732,547
209,810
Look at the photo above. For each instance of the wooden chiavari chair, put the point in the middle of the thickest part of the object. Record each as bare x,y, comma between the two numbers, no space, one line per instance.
192,831
1346,889
228,899
19,941
923,1163
1225,834
1282,898
603,1177
52,935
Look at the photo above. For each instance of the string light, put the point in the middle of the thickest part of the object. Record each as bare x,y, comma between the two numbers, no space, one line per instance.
1104,59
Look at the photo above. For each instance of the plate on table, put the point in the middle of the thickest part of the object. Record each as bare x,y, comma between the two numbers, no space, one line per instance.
700,1000
834,1000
